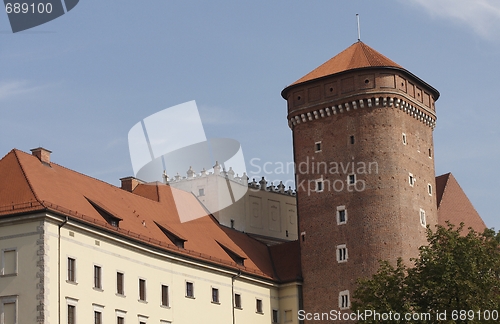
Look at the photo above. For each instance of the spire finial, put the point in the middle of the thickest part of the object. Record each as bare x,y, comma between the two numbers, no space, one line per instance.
359,31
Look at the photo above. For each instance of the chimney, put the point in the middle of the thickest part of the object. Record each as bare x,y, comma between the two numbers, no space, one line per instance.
130,183
42,154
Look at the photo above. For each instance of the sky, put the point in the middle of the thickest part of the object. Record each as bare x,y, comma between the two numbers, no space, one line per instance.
78,84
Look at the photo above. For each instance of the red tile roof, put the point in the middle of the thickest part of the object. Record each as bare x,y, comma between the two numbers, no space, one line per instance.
358,55
29,185
454,206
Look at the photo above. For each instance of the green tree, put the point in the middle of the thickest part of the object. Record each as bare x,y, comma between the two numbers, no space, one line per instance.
455,273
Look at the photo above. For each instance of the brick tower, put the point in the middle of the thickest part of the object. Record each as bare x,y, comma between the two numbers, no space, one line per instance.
362,137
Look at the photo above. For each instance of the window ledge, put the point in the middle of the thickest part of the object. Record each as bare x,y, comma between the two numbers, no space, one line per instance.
238,307
190,297
261,313
9,275
72,282
142,301
120,295
165,306
216,303
98,289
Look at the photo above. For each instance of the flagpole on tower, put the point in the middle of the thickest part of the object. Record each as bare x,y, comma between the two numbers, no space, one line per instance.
359,31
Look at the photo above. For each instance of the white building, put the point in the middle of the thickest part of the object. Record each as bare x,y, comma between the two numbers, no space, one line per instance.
77,250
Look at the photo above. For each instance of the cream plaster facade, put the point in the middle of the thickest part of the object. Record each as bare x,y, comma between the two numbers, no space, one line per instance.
40,291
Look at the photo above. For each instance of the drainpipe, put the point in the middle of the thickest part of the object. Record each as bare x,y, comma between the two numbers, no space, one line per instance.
232,291
59,267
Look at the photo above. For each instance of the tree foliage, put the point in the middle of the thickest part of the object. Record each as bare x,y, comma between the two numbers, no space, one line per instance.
455,273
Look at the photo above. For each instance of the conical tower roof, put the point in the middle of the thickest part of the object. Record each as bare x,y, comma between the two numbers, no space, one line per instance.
358,55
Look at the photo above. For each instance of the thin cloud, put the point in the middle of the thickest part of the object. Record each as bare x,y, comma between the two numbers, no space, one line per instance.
15,88
483,16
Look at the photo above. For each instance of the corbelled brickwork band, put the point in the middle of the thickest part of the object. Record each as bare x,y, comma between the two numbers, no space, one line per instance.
389,102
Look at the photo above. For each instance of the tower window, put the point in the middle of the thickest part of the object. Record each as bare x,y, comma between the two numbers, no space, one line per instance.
232,223
411,179
351,139
303,236
429,189
319,185
351,179
317,147
341,215
430,153
423,221
341,253
201,192
344,302
404,139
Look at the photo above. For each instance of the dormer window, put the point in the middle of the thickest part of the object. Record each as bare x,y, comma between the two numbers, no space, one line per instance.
105,213
174,238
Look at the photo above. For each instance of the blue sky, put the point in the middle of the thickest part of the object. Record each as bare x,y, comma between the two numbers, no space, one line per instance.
77,85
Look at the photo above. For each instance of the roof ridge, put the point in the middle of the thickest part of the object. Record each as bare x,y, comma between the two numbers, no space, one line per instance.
16,151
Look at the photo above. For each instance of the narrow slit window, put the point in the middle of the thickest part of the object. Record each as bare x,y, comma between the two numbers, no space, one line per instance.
119,283
405,141
411,179
341,215
142,289
351,139
429,189
164,295
71,270
97,277
317,146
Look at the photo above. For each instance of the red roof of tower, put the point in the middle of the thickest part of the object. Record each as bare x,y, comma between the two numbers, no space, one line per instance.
358,55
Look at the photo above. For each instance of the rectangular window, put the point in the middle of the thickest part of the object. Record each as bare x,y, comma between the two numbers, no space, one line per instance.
275,316
97,317
258,306
71,270
237,300
142,289
430,153
423,221
119,284
189,290
71,314
317,146
341,215
429,189
9,261
97,277
344,299
351,179
120,320
319,185
341,253
352,139
215,295
411,179
404,139
164,295
201,192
